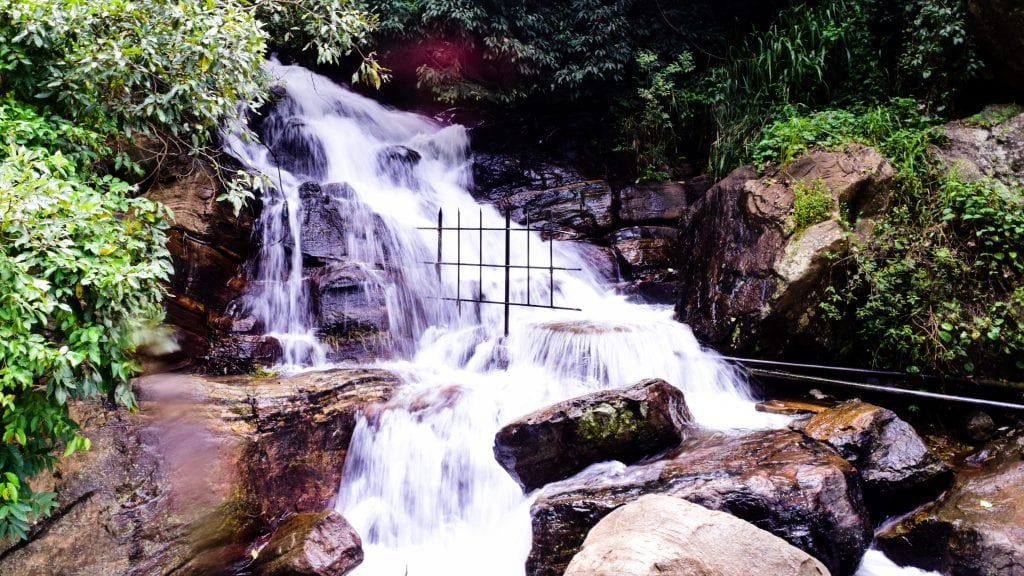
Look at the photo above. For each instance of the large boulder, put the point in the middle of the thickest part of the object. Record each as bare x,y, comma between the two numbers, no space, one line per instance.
664,535
204,467
997,25
896,467
977,527
626,425
988,144
753,281
781,481
311,544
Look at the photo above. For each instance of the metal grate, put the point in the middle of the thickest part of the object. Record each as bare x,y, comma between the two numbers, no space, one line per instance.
440,265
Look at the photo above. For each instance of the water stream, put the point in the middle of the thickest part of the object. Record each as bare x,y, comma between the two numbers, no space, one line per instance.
421,485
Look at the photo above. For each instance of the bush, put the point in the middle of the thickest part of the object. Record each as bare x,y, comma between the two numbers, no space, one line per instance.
938,285
81,267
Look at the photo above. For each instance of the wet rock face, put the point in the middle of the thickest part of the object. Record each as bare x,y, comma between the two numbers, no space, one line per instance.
311,544
562,439
781,481
242,354
204,468
636,223
976,528
750,281
208,244
664,535
897,468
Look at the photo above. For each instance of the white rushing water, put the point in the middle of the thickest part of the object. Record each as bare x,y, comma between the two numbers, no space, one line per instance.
421,485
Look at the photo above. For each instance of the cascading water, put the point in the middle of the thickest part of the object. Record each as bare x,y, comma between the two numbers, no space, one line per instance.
421,484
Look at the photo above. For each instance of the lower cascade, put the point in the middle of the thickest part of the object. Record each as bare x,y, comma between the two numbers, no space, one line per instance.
421,484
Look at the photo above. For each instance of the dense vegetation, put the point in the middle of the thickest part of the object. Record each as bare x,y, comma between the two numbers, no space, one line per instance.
82,260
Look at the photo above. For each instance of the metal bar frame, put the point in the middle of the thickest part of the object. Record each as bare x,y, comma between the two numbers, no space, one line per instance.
439,264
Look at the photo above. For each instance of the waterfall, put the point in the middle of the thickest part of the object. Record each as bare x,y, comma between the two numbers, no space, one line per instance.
420,483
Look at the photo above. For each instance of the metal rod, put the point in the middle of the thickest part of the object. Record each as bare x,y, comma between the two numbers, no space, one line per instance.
551,267
513,266
486,229
480,268
458,258
508,270
527,258
440,234
519,304
884,389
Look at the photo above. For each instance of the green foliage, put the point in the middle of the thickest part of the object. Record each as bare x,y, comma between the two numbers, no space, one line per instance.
812,203
939,56
651,127
81,266
107,64
805,57
946,295
508,51
110,66
899,129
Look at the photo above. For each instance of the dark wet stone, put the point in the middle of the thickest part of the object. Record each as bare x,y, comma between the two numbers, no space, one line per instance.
626,425
897,468
311,544
977,528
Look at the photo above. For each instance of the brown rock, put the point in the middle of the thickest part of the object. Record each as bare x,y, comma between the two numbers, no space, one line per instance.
978,147
781,481
978,526
664,535
208,244
311,544
626,424
660,202
645,246
201,469
750,281
897,468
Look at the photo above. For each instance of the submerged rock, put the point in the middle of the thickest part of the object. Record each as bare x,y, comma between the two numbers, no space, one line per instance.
203,468
626,424
976,528
897,468
664,535
311,544
781,481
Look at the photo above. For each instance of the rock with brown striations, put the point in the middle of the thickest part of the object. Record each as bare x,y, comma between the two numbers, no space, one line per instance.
204,467
976,528
751,280
897,468
626,424
208,244
576,210
660,202
665,535
997,25
781,481
311,544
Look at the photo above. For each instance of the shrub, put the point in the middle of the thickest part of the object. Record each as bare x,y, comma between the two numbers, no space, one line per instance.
81,266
